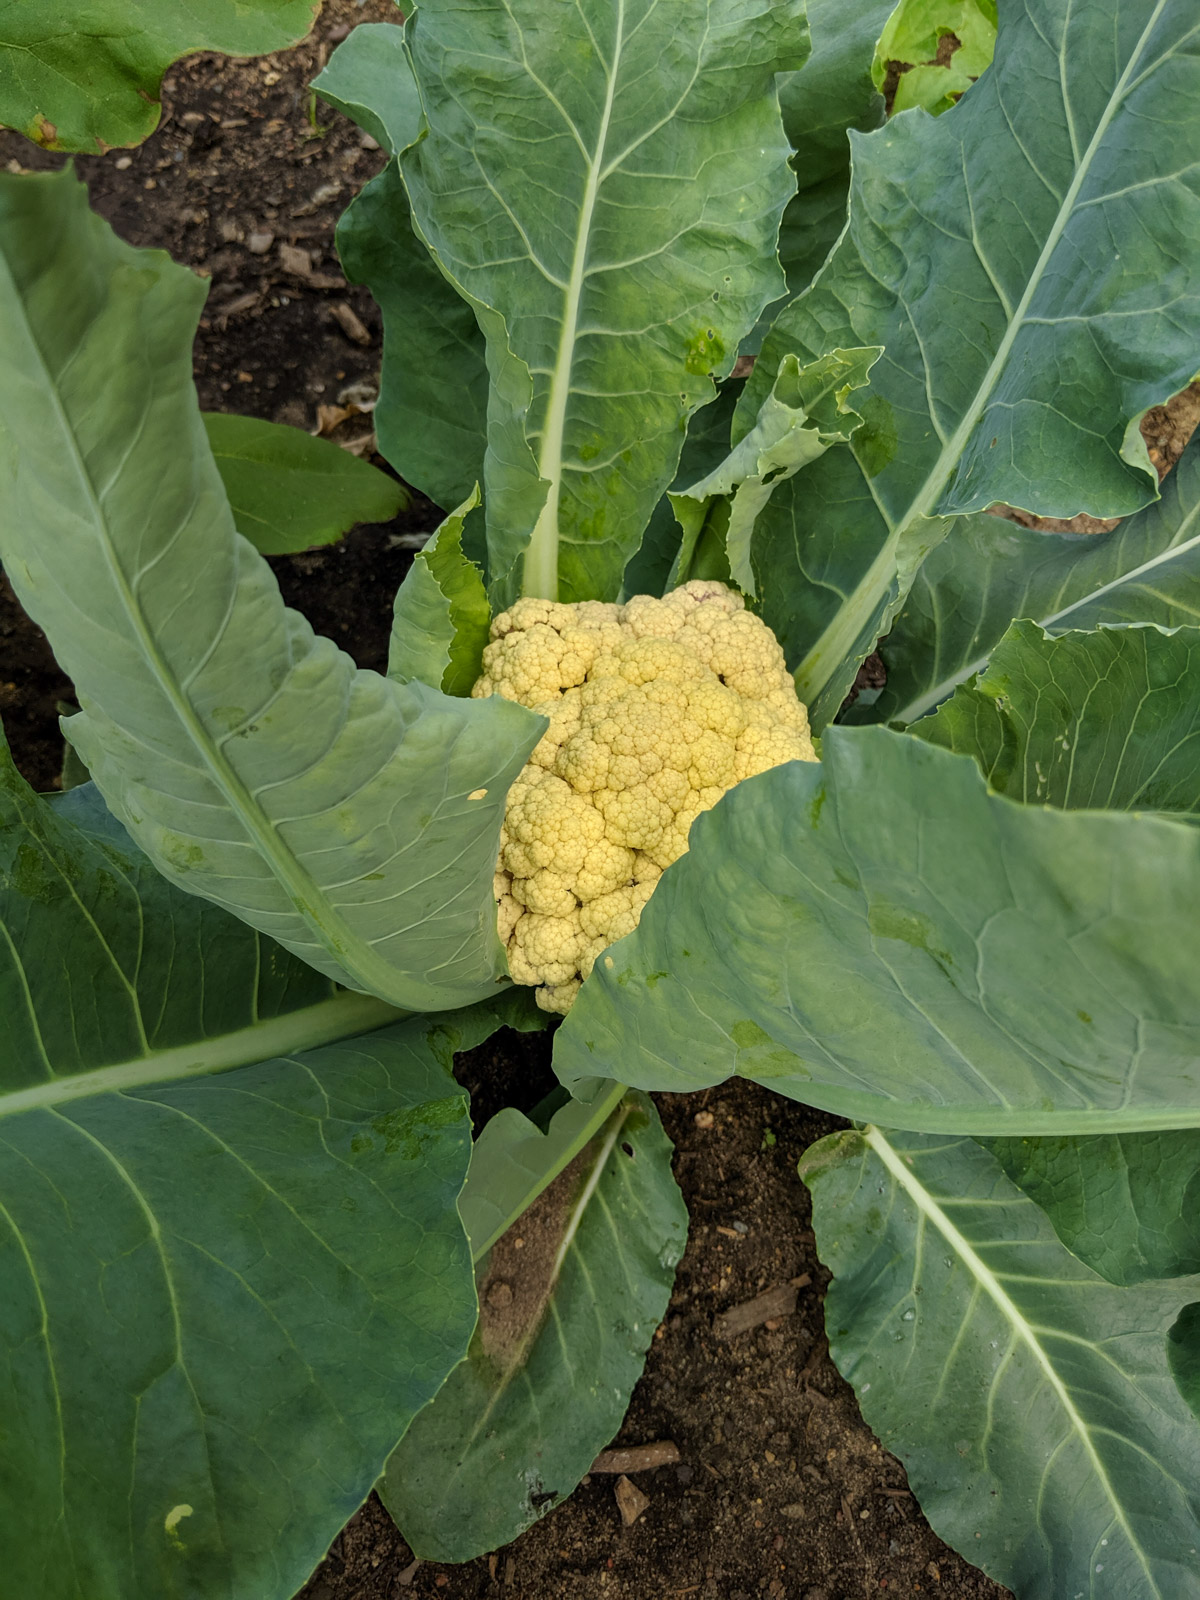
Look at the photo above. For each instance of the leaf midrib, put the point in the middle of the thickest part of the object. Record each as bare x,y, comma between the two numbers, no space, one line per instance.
541,559
987,1280
934,696
854,615
333,933
340,1017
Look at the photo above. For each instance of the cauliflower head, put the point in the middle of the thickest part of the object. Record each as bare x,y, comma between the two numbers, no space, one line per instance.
656,708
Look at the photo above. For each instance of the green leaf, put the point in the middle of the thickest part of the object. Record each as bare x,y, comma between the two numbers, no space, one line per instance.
369,80
1126,1205
618,225
431,418
329,807
1033,301
806,412
442,614
663,560
912,35
1108,720
1033,1404
885,931
990,570
514,1159
289,491
87,79
558,1350
832,93
232,1262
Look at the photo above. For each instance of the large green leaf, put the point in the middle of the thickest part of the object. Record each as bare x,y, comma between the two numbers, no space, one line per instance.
1028,261
607,183
832,93
431,419
353,819
1127,1205
1032,1403
873,935
86,78
1108,720
565,1322
290,491
231,1264
989,571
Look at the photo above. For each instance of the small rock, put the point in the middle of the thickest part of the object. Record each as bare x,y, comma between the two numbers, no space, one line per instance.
342,31
193,119
259,243
294,261
500,1294
123,163
352,326
793,1512
704,1119
367,143
363,393
326,193
630,1501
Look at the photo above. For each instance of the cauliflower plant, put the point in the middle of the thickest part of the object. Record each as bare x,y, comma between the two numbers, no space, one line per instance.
656,708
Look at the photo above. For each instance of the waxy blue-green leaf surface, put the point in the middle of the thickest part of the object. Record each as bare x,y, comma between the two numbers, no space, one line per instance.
990,570
565,1322
832,93
1108,720
431,418
330,807
607,182
879,936
1033,1404
86,77
231,1263
1127,1205
1029,262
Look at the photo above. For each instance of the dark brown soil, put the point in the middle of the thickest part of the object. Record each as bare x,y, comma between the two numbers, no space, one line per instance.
781,1491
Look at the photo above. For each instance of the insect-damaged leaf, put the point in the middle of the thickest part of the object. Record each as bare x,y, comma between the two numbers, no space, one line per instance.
569,1300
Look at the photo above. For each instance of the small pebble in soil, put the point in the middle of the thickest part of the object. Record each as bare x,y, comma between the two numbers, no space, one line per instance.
703,1119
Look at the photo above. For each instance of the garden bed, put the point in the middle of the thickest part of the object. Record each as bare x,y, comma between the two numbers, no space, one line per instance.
779,1489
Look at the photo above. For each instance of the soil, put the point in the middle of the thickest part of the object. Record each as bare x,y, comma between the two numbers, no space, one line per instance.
780,1490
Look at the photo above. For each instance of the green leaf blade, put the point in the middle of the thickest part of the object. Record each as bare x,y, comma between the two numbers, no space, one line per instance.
441,615
88,82
328,806
990,570
567,246
232,1257
289,491
885,927
1125,1205
1027,320
490,1455
1106,720
1031,1402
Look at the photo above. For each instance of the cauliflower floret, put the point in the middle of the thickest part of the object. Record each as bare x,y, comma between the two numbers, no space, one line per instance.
656,709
